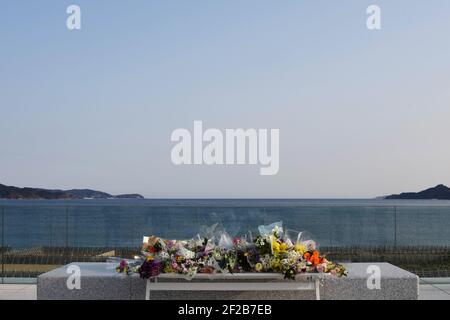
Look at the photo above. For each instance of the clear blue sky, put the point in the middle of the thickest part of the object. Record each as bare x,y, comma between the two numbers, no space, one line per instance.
360,113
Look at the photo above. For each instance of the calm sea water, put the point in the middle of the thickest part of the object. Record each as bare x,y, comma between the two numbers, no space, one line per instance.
122,223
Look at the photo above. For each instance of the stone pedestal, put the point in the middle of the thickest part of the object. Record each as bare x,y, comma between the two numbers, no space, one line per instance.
99,281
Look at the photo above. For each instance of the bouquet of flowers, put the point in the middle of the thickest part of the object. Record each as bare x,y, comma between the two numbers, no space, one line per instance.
273,250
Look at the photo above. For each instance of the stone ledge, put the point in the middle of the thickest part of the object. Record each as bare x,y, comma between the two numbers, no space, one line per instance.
99,281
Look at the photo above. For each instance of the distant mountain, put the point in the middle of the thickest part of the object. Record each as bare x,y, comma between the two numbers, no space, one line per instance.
439,192
87,193
8,192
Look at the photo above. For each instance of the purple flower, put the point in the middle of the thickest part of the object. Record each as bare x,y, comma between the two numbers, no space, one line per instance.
150,269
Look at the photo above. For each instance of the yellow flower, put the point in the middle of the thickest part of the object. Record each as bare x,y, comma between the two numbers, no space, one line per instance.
150,258
169,269
275,264
258,267
275,247
300,248
283,247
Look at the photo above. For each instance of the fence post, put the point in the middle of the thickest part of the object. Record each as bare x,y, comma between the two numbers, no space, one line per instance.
395,227
3,244
50,225
67,227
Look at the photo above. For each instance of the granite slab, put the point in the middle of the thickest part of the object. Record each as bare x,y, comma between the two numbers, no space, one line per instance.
99,281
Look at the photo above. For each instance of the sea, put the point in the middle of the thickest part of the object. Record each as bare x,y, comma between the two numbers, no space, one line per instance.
114,223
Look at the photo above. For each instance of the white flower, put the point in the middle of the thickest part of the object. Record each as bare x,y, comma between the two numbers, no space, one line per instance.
293,256
285,262
217,255
163,255
289,243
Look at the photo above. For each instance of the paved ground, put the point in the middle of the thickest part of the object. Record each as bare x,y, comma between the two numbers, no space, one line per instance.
28,292
17,292
434,292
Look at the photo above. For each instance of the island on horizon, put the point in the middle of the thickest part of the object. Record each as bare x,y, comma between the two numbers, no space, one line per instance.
440,192
15,193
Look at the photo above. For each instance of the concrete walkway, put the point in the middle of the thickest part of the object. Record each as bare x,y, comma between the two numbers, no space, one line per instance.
17,292
434,292
28,292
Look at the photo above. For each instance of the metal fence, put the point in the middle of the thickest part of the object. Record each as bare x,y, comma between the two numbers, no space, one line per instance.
36,239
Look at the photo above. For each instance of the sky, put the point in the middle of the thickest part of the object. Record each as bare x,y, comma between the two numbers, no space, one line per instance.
361,113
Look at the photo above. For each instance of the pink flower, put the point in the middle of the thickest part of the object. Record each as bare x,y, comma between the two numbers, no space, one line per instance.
123,264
